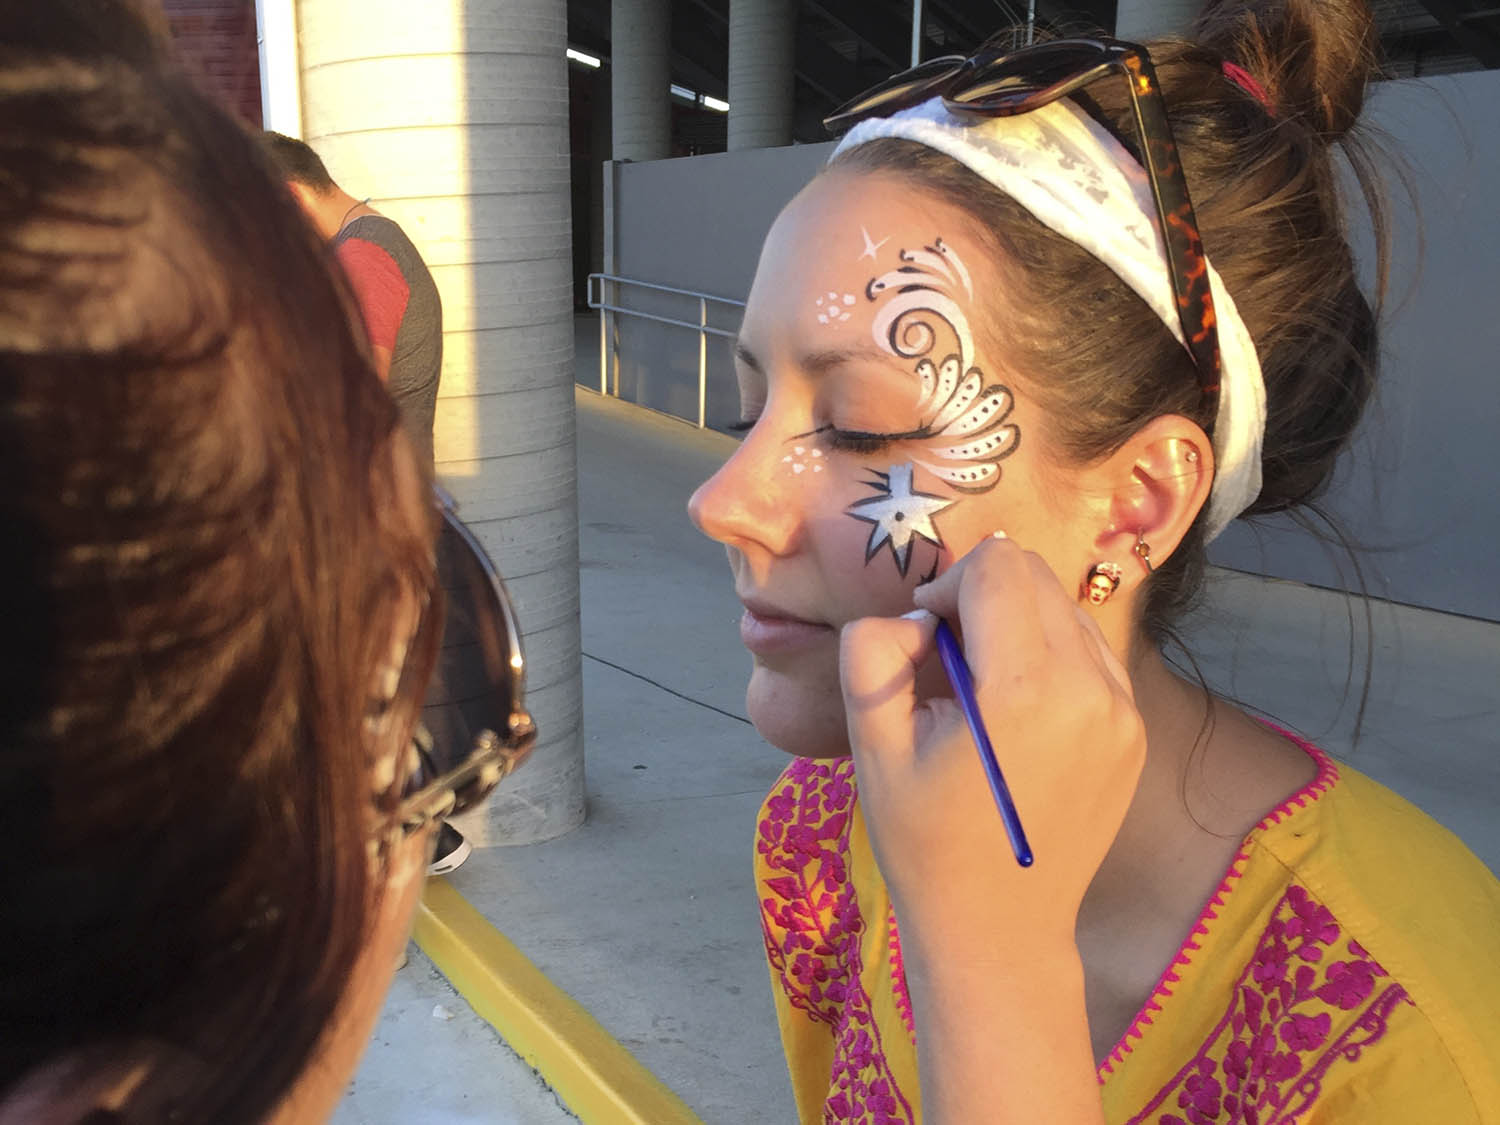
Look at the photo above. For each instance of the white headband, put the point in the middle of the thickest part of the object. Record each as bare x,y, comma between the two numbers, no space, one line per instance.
1077,179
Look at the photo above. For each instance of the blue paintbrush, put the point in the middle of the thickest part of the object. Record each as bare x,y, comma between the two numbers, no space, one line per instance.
963,687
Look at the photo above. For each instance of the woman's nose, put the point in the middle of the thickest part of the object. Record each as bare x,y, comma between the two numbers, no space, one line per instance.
746,503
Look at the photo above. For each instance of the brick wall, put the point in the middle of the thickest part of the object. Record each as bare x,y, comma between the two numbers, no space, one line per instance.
216,41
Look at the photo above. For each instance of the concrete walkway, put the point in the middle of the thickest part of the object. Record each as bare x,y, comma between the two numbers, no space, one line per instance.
432,1061
646,914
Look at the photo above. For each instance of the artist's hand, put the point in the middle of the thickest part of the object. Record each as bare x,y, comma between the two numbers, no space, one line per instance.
1060,714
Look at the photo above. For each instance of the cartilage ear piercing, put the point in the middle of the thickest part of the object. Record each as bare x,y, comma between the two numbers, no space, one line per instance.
1143,552
1102,581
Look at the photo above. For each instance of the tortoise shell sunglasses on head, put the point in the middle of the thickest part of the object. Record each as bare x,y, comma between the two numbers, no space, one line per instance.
997,81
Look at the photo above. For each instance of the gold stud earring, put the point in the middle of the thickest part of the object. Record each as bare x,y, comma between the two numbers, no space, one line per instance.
1143,552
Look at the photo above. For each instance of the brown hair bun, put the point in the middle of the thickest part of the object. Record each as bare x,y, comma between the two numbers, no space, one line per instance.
1314,57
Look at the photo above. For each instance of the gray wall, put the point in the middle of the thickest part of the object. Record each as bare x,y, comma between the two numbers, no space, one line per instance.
697,223
1417,490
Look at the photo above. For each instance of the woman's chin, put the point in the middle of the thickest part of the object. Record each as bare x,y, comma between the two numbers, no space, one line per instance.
799,714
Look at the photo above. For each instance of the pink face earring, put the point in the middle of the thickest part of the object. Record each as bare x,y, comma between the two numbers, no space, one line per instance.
1102,581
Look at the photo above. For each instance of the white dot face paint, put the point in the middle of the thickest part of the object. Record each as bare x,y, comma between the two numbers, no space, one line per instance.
803,459
833,308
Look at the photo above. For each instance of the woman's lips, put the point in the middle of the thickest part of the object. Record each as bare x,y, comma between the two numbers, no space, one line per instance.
763,631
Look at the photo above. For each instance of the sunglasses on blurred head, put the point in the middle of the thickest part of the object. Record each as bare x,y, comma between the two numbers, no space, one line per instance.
475,729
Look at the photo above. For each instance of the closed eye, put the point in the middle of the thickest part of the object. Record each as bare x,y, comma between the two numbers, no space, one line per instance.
857,441
861,442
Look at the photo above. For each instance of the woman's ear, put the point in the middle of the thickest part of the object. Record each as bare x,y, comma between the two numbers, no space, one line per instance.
1157,483
84,1085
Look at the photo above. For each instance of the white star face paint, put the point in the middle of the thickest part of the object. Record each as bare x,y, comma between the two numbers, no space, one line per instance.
899,514
872,248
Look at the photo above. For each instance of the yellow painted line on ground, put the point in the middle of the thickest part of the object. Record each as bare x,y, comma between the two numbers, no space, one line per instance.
596,1077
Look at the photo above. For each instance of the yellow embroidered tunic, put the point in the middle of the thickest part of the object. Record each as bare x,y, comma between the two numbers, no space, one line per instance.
1346,971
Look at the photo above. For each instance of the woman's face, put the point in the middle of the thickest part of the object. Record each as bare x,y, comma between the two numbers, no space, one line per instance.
889,438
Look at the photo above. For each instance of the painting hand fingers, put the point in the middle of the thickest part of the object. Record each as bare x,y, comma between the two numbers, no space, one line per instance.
1104,656
987,597
878,662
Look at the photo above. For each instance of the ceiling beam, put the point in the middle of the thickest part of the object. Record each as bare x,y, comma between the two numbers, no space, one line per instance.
823,69
711,10
700,55
891,48
589,23
698,46
954,19
1480,43
807,123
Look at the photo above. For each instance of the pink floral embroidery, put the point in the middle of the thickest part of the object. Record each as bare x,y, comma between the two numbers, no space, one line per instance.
812,927
1349,983
1300,1005
1327,777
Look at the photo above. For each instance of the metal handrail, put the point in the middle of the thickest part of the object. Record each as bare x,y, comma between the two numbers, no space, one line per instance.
702,327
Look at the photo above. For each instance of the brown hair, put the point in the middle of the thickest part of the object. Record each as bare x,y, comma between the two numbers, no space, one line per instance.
296,161
201,574
1264,185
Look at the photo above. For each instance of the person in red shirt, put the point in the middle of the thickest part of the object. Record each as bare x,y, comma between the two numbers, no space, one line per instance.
398,300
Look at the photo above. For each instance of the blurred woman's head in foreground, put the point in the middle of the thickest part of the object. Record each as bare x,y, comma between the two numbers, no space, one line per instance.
218,544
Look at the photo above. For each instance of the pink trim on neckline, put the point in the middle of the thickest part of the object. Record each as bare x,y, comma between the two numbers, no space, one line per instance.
1328,775
898,976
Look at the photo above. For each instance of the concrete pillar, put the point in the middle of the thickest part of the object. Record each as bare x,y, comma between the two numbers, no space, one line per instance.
1139,20
453,115
640,44
599,155
280,79
762,58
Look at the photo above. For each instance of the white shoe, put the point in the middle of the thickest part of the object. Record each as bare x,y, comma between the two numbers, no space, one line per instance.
452,850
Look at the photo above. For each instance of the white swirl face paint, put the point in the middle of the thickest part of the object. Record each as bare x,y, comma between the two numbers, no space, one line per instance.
918,301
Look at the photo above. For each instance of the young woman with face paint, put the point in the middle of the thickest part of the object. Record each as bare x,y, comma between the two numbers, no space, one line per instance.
971,399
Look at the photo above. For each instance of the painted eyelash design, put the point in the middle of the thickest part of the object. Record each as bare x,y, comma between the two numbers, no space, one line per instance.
917,297
859,441
850,441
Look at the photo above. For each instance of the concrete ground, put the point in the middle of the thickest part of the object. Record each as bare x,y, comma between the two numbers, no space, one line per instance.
432,1061
646,914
